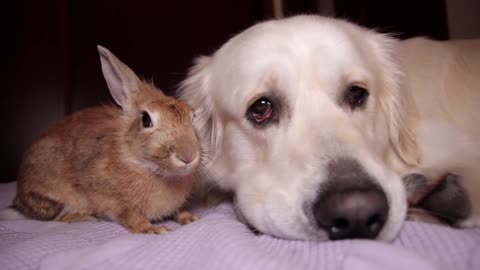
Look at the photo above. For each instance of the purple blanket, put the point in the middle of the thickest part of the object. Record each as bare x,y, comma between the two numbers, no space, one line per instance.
219,241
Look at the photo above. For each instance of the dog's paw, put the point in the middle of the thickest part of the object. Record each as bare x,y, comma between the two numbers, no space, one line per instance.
417,187
448,200
470,222
421,215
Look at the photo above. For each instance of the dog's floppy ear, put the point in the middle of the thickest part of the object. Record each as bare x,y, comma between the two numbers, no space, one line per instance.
195,90
396,101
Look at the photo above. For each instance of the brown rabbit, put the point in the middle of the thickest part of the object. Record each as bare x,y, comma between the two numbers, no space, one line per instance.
131,165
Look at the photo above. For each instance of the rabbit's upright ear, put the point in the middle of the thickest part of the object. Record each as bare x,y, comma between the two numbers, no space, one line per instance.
121,80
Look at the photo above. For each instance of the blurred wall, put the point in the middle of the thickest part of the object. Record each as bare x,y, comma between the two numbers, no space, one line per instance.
463,19
52,67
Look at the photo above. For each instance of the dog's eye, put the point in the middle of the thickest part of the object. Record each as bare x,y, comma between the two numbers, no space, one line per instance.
356,96
261,111
146,121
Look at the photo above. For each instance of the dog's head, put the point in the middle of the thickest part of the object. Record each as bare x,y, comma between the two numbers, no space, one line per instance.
298,117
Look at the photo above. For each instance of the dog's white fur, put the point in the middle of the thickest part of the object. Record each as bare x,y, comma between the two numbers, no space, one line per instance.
420,113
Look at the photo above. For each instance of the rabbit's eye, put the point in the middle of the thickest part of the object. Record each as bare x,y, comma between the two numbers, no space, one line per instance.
146,121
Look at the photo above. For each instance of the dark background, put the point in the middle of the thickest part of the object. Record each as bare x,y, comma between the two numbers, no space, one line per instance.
52,67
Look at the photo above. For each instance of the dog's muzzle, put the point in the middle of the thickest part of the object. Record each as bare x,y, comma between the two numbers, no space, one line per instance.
350,204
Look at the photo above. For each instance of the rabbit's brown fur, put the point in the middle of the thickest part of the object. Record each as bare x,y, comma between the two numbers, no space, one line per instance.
101,162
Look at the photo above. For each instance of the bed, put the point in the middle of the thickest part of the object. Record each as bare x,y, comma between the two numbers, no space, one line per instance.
219,241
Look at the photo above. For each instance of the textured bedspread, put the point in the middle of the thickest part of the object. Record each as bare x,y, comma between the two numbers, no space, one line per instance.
219,241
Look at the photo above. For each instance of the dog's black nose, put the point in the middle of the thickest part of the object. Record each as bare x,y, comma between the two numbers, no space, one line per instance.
352,214
350,205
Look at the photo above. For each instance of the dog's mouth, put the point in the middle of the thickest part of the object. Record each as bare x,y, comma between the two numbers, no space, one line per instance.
340,229
349,224
241,218
349,205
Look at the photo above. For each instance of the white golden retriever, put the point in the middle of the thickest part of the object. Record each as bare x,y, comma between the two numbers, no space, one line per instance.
313,121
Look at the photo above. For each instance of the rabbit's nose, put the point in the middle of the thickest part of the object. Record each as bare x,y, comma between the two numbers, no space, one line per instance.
186,156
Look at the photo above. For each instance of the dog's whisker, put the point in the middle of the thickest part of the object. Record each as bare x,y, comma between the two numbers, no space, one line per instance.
203,173
205,157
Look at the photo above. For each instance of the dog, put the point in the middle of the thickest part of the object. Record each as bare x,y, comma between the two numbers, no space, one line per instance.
312,122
